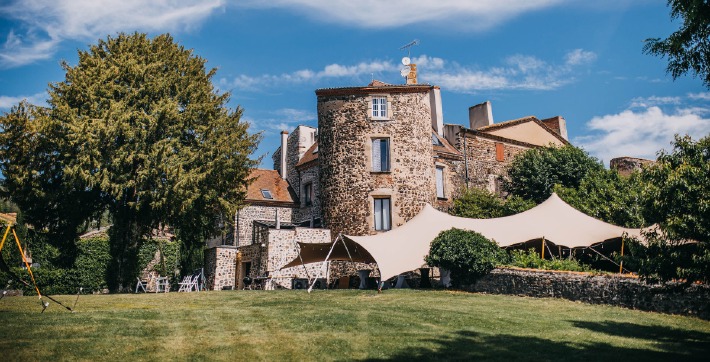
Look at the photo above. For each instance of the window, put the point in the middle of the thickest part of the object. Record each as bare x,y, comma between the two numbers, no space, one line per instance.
380,154
435,140
440,182
266,194
308,193
379,107
382,214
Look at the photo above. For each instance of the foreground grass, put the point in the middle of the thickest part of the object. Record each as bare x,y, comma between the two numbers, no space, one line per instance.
341,325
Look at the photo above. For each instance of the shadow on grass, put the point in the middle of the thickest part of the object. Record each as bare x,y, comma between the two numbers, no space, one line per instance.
665,344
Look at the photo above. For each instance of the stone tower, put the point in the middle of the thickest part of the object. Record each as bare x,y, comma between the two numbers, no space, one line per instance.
377,166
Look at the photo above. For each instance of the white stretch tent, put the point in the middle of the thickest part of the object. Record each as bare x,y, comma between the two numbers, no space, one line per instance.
404,248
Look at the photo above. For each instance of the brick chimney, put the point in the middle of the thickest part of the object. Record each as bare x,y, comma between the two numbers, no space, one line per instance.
284,153
557,124
480,115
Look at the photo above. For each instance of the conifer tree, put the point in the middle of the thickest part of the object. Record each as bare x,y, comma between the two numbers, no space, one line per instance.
138,126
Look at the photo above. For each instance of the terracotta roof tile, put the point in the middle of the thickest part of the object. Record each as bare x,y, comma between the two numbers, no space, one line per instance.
514,122
271,181
310,155
446,147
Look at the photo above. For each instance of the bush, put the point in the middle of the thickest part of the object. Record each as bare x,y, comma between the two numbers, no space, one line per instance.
467,254
90,268
531,259
482,204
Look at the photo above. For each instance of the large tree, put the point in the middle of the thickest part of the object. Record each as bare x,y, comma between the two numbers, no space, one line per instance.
688,49
136,128
533,173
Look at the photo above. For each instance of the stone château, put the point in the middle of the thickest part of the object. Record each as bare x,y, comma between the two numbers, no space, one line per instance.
380,153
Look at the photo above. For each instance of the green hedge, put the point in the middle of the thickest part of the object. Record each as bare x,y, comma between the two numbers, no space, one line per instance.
90,266
531,259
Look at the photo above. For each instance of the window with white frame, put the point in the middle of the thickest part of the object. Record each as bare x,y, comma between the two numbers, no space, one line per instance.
440,182
379,107
380,154
383,216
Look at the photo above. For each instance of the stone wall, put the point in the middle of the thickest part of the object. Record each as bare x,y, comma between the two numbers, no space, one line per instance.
247,215
305,212
280,248
220,267
623,291
483,167
626,165
348,184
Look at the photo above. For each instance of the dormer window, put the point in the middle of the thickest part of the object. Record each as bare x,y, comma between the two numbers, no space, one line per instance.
379,107
435,140
267,194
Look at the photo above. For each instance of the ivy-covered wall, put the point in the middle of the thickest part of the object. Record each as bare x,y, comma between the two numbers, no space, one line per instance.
89,269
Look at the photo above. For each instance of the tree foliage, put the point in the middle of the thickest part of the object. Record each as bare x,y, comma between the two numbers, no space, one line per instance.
482,204
688,49
608,196
534,173
677,199
136,128
467,254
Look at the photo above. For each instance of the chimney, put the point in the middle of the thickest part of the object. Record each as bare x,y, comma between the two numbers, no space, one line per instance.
480,115
284,153
412,76
437,114
557,124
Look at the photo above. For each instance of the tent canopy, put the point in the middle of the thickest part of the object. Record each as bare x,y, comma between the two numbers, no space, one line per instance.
404,248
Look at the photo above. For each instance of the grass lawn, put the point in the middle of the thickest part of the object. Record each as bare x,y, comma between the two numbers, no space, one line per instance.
342,325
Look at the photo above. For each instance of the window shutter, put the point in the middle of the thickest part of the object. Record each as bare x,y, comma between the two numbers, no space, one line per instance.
440,182
500,152
376,155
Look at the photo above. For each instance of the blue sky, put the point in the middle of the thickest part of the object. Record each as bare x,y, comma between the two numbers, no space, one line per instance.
579,59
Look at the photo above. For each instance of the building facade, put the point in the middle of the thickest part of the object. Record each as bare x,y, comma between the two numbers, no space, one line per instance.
380,153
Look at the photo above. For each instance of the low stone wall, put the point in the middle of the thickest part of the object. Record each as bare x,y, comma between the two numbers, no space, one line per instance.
624,291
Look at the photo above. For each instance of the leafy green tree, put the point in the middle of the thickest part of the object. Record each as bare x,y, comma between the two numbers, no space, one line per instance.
533,173
608,196
688,49
677,198
135,128
481,204
467,254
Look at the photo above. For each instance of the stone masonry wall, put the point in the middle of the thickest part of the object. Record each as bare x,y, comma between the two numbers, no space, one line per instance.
616,290
249,213
220,267
348,184
483,168
309,175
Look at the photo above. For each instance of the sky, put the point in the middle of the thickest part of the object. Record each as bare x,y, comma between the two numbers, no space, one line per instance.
582,60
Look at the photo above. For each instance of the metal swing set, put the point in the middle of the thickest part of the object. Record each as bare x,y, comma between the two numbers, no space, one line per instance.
4,267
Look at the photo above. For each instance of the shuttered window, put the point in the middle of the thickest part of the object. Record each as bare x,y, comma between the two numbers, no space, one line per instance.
380,154
500,152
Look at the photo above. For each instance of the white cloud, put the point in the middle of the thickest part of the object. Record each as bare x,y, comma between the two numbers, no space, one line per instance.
307,75
579,56
521,72
704,96
46,23
475,15
645,102
6,102
643,132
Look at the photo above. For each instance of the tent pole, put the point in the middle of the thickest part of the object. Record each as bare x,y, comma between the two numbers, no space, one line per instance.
543,248
326,259
621,265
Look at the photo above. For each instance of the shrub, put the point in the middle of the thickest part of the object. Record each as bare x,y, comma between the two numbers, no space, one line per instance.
531,259
467,254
